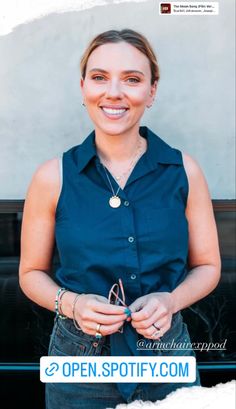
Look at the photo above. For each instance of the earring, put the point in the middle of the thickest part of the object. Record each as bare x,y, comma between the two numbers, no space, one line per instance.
83,104
149,106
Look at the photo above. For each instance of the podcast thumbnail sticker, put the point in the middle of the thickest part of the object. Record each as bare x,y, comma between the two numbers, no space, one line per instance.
190,8
165,8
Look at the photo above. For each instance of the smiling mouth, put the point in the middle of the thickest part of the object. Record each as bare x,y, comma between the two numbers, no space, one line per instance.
114,112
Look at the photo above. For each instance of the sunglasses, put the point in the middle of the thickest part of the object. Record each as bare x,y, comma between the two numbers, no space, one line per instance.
116,296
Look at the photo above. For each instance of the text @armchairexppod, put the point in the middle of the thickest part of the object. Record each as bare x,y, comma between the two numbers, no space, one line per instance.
148,344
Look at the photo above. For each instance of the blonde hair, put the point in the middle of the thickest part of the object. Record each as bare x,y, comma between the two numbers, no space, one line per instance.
129,36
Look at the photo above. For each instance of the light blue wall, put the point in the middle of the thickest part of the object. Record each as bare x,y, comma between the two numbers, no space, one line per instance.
40,103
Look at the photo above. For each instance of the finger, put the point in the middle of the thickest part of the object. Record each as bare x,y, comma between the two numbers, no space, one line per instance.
160,333
156,323
149,332
160,320
99,303
137,305
104,319
153,333
109,309
110,329
145,312
91,328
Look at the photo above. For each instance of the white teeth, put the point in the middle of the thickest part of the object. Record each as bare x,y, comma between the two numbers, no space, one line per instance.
112,111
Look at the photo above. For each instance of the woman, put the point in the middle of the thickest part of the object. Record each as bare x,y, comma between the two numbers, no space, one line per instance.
134,228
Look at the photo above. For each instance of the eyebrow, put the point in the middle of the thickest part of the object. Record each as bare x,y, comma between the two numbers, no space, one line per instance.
123,72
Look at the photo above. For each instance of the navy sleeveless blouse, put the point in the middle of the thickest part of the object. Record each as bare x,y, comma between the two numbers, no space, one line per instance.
144,241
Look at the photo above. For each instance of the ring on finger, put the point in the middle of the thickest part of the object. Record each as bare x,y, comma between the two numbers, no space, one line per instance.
157,334
98,327
98,334
158,331
156,326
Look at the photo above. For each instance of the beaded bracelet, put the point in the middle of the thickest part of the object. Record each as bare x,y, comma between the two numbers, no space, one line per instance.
73,312
60,292
60,310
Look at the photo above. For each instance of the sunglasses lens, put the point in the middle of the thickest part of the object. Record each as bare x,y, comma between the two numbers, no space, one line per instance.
113,299
114,296
116,301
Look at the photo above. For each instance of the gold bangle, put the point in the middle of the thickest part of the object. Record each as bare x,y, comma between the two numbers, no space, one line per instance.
73,312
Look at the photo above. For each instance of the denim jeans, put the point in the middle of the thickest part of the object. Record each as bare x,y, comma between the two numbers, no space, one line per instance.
67,340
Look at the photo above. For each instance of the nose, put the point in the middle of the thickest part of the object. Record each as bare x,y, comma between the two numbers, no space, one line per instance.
114,89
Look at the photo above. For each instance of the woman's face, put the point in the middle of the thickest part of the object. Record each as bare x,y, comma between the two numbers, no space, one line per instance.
117,87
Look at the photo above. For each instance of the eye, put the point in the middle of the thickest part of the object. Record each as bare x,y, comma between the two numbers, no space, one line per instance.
98,78
133,80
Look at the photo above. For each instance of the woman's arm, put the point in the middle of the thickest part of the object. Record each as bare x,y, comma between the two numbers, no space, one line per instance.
37,244
37,236
204,255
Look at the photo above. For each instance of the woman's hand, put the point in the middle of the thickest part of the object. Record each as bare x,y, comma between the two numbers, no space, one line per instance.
91,310
152,309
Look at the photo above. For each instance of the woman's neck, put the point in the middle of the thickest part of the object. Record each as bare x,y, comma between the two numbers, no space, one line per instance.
117,149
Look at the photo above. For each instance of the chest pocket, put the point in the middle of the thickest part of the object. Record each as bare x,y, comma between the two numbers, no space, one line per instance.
167,229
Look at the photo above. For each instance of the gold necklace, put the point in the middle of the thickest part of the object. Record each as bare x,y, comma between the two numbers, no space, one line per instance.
115,200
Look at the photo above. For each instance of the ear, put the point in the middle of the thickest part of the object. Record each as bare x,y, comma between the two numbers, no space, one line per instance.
81,84
153,90
152,94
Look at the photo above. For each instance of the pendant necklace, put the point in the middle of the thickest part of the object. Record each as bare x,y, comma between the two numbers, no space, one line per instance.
115,200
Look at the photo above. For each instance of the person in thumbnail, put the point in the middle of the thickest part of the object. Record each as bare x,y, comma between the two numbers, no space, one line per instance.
134,227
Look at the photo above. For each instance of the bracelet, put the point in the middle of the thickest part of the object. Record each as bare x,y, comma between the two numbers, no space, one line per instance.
60,302
73,312
60,292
